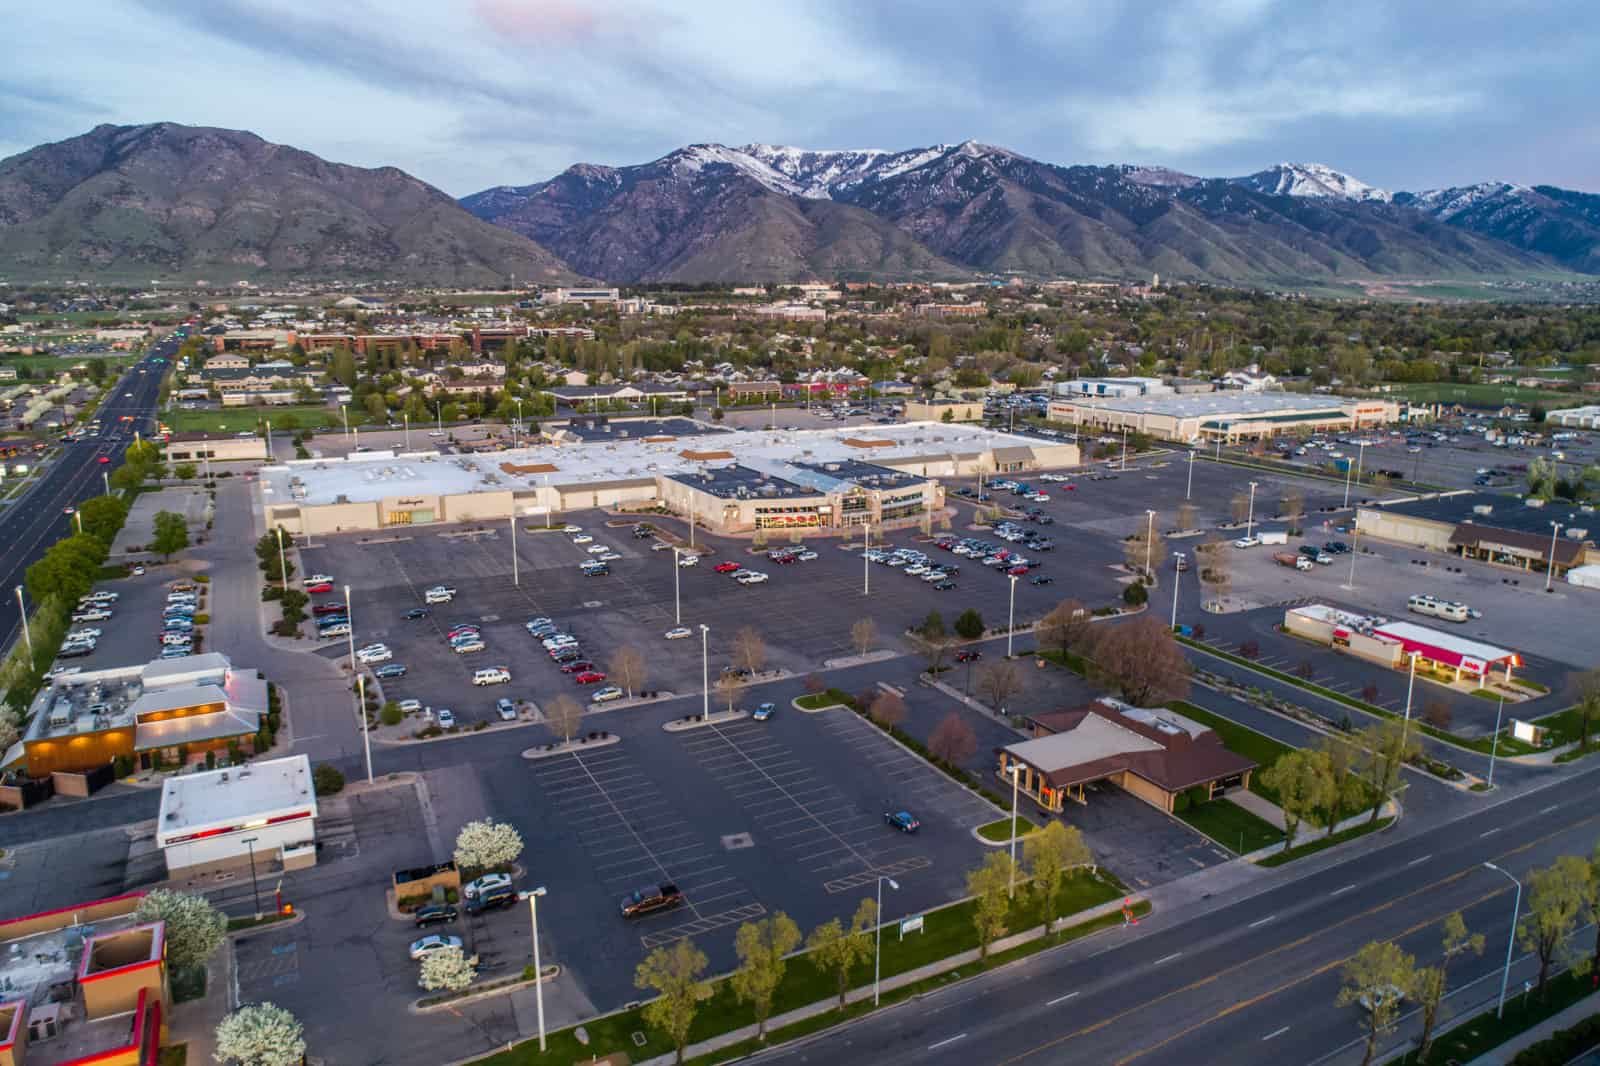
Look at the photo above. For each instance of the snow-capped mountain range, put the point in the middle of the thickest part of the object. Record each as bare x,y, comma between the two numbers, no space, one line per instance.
761,211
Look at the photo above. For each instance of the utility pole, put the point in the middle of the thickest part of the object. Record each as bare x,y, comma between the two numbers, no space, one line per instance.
22,609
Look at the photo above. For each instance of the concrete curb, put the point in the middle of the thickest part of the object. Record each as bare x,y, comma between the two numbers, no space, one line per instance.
245,934
680,725
795,703
570,747
1021,821
550,973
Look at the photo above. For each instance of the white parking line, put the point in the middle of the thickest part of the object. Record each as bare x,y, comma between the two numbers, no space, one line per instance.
1420,858
950,1040
1341,891
1169,958
1490,832
1261,921
1274,1034
1060,999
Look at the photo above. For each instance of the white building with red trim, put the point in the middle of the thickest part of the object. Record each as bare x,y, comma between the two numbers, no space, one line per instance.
223,818
1392,644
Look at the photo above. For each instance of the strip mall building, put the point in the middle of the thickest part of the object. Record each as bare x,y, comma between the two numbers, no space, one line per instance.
1228,417
729,481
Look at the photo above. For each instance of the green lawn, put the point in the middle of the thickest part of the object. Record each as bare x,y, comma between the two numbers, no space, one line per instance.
51,364
243,419
1241,740
817,700
1232,826
1484,1032
1486,395
1000,829
948,931
1300,851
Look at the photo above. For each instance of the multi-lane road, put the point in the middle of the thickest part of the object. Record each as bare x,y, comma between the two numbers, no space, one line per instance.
37,519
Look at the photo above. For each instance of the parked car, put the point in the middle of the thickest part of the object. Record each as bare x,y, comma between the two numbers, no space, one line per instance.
433,914
478,885
388,670
589,677
433,942
968,656
445,717
416,613
902,820
319,587
506,709
605,694
677,633
764,711
576,666
493,675
651,898
409,706
492,900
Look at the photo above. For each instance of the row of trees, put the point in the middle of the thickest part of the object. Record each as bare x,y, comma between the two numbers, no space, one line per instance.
836,949
1559,896
1340,776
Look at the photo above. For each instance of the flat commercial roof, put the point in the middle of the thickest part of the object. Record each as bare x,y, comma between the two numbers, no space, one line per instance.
1455,650
1502,512
1235,405
235,797
372,476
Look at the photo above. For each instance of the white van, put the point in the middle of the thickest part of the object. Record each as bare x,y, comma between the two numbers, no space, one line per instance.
495,675
1428,605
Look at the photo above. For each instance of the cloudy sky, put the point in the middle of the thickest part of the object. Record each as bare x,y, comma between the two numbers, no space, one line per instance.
471,93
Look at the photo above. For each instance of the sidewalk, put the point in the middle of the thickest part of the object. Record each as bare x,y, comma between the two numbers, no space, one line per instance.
1565,1020
195,1023
856,995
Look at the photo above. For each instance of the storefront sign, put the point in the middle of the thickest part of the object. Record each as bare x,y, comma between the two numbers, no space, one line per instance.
910,925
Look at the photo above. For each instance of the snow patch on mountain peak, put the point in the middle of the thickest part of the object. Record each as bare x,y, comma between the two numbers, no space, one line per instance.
1447,203
1312,180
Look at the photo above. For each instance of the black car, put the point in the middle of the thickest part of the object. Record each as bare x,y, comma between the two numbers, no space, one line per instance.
434,914
493,900
416,613
642,901
1336,547
1044,580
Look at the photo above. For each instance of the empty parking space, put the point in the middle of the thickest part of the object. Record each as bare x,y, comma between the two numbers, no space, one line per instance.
635,837
812,823
909,781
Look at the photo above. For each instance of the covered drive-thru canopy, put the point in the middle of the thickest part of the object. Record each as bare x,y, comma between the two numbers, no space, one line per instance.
1444,649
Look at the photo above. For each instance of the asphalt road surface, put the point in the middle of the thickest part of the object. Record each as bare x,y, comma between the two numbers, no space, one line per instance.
31,524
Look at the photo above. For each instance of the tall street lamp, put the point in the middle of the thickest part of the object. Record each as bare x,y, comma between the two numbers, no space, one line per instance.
1177,570
532,897
361,683
705,674
1011,619
877,950
1250,516
250,842
406,418
1189,487
22,612
283,568
1149,540
1355,550
516,578
1411,682
1550,563
344,417
677,604
1015,770
1511,937
519,423
1494,745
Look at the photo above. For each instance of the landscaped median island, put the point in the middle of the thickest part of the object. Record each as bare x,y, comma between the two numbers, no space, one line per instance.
999,831
944,942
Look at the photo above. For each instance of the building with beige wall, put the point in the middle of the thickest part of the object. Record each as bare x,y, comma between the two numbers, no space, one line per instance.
736,481
936,410
1228,417
215,447
1528,535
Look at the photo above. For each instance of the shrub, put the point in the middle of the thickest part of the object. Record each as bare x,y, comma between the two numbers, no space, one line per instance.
1135,595
391,713
327,779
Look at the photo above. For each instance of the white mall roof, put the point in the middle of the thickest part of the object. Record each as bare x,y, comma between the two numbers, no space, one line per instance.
233,798
368,476
1213,404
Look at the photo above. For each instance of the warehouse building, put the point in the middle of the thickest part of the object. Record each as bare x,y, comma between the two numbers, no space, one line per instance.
1228,417
1524,535
731,481
216,447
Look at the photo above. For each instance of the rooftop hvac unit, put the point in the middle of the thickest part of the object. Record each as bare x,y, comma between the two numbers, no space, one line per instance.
1577,533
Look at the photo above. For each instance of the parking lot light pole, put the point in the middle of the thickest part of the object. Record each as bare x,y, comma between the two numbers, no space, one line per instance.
1494,745
1124,447
345,418
866,563
1177,569
1015,770
1411,682
677,604
1511,937
877,950
283,568
1189,487
406,417
1355,550
361,683
250,842
1550,563
1149,541
22,611
516,578
1011,619
105,479
1250,517
705,674
532,896
518,424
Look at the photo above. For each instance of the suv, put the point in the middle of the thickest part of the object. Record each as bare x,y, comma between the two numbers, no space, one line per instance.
494,675
642,901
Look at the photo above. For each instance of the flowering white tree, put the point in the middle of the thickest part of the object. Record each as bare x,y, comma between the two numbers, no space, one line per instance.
195,929
8,730
487,843
448,969
261,1034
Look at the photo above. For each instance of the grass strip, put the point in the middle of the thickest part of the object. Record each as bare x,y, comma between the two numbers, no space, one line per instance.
1000,829
815,701
1332,840
947,931
1484,1032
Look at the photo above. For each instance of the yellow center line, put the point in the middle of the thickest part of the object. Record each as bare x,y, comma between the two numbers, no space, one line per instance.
1290,945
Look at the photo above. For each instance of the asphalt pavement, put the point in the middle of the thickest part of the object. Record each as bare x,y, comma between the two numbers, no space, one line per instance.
32,523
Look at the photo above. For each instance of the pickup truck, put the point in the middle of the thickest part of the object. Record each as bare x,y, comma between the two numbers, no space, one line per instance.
1299,562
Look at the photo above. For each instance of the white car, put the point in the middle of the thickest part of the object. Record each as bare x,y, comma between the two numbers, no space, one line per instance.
806,556
597,549
678,633
583,538
1247,542
751,577
372,658
487,883
916,570
660,546
409,706
689,560
437,596
495,675
95,615
90,633
571,529
606,694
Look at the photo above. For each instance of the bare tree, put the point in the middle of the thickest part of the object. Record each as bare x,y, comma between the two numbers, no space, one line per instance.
728,685
862,634
953,740
1187,516
999,681
1437,713
627,667
1292,506
888,709
563,716
749,650
814,683
1216,566
1143,661
1239,508
1066,628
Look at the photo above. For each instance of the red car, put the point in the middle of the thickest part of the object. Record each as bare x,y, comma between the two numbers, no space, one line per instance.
328,608
968,656
1017,571
577,666
103,459
589,677
321,586
726,568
